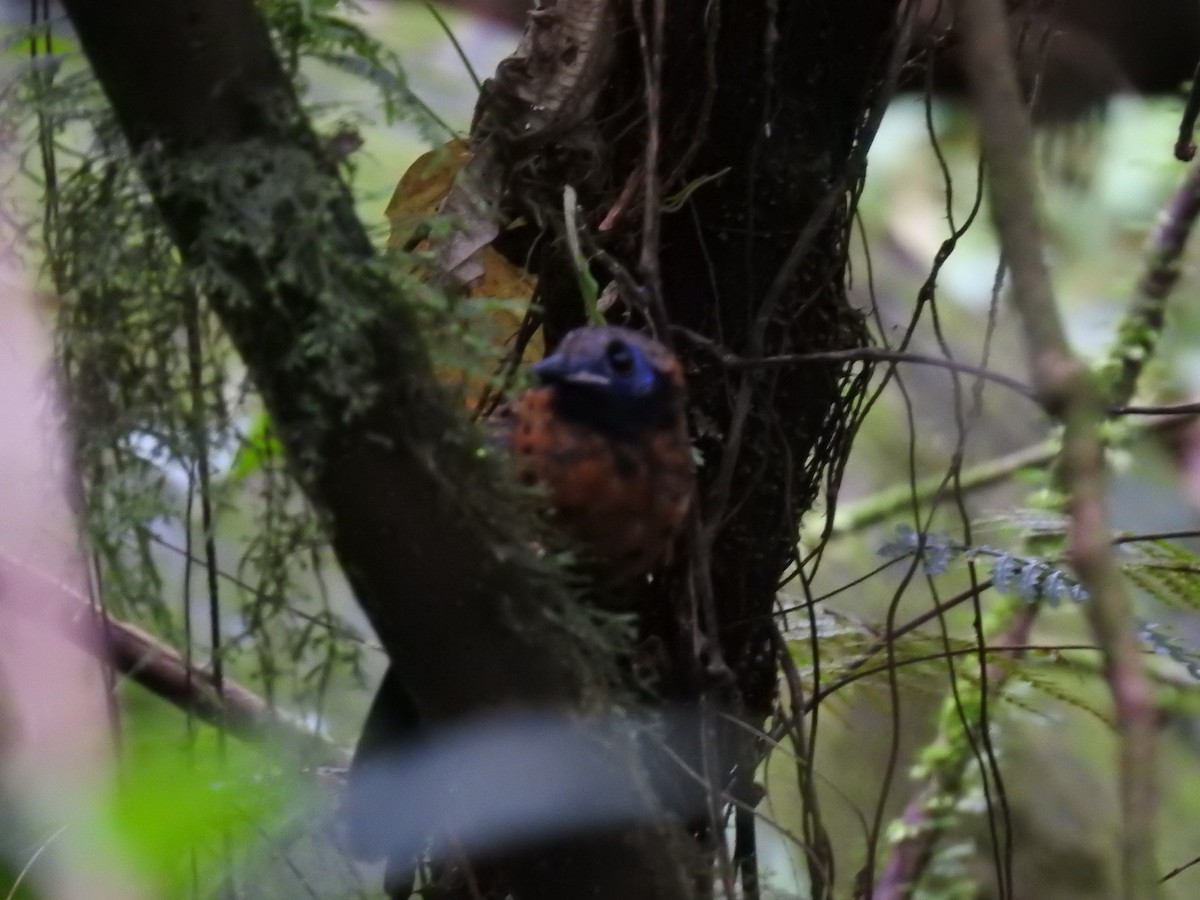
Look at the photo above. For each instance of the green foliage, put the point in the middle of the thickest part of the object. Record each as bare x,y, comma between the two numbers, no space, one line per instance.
1033,580
1166,571
176,812
1170,574
317,31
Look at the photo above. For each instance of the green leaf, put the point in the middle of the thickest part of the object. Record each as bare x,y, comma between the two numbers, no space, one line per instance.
178,810
260,446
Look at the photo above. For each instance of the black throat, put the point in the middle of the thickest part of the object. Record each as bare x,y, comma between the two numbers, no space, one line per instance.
617,415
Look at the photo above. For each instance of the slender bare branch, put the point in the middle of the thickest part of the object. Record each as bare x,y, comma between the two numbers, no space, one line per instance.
1142,325
1068,391
922,829
877,354
879,507
162,670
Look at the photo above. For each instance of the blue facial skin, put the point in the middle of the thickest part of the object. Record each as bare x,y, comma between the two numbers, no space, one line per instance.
607,383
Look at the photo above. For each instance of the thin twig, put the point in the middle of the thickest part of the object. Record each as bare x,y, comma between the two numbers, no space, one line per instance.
1010,651
820,848
854,517
458,47
1070,392
1179,870
876,354
650,39
33,858
327,623
1181,535
922,827
1185,144
1166,409
1142,326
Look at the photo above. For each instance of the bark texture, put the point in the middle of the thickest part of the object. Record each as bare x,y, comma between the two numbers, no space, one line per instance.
753,119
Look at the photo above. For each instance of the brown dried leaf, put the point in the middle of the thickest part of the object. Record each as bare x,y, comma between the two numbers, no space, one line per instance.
422,188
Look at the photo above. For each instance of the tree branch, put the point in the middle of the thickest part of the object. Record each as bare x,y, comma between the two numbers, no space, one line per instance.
1069,392
1142,325
160,669
924,818
879,507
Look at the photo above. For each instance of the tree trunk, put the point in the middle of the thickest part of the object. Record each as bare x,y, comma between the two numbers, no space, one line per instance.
766,109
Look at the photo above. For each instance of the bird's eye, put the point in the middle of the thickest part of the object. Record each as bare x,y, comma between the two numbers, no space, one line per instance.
620,358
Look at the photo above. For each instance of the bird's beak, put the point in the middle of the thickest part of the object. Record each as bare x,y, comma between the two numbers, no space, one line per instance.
550,370
583,376
557,369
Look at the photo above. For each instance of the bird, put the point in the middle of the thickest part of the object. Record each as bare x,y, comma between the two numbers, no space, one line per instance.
601,436
605,434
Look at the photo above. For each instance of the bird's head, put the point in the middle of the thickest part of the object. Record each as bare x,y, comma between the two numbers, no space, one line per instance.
613,379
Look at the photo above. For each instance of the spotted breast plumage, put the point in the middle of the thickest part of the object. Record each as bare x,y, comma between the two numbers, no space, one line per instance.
602,438
604,433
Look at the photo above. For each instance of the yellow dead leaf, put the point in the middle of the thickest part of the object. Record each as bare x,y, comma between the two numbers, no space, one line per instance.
494,325
419,195
422,188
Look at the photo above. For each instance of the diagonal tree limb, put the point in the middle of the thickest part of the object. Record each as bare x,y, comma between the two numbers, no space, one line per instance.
1142,325
469,618
1071,394
162,670
861,514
